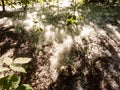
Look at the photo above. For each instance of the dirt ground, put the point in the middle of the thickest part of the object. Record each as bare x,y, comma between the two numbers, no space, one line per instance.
93,51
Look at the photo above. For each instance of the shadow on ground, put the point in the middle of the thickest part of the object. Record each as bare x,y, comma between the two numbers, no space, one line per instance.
96,70
96,73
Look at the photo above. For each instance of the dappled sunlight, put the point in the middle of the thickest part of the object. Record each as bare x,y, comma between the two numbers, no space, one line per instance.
43,17
64,3
7,8
49,34
62,32
87,31
58,49
30,20
54,9
90,31
78,40
88,40
117,34
6,22
29,24
102,31
118,21
114,31
67,41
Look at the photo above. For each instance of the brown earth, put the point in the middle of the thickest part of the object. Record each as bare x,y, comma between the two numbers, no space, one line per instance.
97,61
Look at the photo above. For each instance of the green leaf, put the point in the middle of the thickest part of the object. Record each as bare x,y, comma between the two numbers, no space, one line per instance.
17,68
12,5
15,80
81,1
71,19
8,60
21,60
5,83
10,81
25,87
2,81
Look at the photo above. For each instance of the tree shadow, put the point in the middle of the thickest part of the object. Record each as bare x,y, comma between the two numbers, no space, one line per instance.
57,17
10,14
64,83
104,17
92,74
20,45
103,71
97,73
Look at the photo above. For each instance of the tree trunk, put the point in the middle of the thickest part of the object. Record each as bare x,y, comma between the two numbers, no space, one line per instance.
3,5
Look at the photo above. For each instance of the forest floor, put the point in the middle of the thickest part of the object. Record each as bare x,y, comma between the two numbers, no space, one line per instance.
91,48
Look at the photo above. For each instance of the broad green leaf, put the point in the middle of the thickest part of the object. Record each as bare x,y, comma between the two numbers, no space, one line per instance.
10,81
5,83
17,68
8,60
25,87
21,60
15,80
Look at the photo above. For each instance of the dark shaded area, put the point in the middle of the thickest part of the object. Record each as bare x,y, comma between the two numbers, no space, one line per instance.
101,1
64,83
10,39
18,14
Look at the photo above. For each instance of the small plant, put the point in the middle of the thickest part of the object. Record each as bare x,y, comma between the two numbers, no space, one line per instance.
35,34
71,19
12,82
16,64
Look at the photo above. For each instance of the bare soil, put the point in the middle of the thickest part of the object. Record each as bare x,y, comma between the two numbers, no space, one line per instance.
96,60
